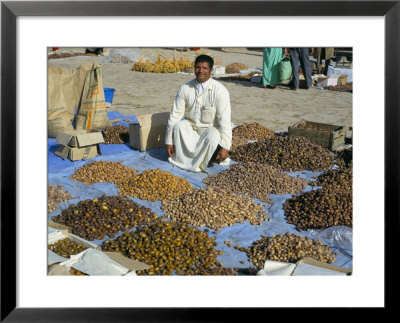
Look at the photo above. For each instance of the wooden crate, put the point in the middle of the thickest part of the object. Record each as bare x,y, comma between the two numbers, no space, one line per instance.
326,135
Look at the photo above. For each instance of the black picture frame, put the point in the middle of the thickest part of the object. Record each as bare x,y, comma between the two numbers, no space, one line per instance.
10,10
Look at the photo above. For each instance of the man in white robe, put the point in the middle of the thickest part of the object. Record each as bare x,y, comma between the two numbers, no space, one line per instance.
205,134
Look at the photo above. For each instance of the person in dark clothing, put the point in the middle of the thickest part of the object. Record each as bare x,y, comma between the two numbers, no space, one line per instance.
323,54
300,55
93,50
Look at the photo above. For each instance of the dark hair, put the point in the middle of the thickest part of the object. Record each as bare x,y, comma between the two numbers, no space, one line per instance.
205,59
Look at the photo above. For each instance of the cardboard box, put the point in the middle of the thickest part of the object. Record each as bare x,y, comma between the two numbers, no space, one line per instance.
333,80
65,233
79,144
56,231
310,266
75,154
256,78
58,226
305,266
79,138
149,132
326,135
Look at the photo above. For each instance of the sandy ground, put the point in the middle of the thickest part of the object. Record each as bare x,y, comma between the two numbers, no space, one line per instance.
140,93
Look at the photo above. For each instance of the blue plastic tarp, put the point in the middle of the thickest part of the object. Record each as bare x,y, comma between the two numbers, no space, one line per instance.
339,238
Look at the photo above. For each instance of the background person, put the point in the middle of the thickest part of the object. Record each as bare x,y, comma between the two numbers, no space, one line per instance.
205,135
321,54
301,55
272,56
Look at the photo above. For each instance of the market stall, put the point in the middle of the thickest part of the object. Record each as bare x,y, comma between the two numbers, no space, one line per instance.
232,241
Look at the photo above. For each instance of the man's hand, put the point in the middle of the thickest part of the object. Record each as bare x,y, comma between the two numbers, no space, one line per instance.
311,51
222,155
170,150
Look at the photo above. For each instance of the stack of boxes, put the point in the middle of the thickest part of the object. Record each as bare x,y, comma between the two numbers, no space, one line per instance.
79,144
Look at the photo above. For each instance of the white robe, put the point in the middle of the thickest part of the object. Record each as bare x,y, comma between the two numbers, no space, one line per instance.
207,123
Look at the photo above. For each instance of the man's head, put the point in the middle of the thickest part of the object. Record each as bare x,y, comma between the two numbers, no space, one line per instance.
203,66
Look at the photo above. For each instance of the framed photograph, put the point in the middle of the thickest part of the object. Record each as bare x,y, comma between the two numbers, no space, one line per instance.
29,28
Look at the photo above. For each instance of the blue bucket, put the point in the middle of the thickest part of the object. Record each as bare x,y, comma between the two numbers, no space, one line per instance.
109,95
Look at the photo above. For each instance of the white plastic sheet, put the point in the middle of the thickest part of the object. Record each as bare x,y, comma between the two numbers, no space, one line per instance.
122,55
94,262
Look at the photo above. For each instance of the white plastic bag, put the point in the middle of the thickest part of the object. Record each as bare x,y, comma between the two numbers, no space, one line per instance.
274,268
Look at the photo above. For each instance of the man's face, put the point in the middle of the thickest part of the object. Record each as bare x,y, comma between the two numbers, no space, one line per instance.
202,71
